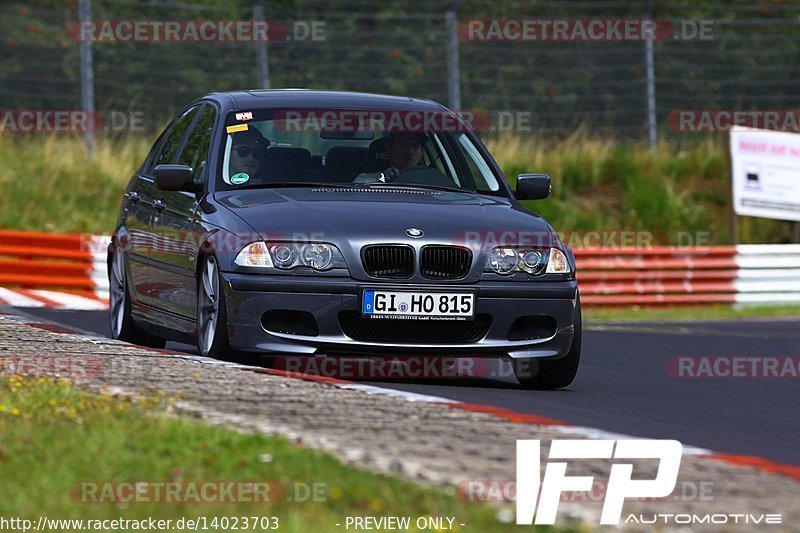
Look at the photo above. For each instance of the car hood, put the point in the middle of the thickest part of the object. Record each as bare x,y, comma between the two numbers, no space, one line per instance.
360,216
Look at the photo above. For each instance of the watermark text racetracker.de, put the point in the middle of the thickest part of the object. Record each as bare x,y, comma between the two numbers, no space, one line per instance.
475,239
505,490
399,367
479,239
70,121
584,30
733,367
196,31
723,120
52,366
362,120
178,492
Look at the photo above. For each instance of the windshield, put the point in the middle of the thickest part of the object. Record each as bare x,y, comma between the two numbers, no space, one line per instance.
271,148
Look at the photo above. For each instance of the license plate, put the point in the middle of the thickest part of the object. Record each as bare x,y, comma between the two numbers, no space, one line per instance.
418,305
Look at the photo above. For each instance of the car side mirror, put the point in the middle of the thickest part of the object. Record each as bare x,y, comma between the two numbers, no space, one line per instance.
174,177
532,186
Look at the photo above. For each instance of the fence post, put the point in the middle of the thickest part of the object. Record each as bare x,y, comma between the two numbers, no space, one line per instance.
651,81
262,56
453,74
87,75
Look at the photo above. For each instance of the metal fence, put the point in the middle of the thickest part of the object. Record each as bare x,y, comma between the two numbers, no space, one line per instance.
742,55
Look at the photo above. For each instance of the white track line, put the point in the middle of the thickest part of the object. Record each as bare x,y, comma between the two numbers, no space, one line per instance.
595,433
18,300
72,301
408,396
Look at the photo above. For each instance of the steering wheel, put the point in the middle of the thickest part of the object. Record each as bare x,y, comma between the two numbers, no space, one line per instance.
422,175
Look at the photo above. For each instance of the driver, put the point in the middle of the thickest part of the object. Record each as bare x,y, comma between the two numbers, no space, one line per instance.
405,151
247,153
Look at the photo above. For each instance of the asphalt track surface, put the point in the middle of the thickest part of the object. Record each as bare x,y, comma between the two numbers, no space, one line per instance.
624,386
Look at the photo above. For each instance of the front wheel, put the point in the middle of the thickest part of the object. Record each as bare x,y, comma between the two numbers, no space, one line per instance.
552,373
212,331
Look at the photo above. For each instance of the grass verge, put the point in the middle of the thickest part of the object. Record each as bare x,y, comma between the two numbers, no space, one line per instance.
679,193
59,445
687,314
51,184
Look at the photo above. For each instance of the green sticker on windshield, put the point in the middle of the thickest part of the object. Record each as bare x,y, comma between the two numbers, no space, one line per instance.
238,179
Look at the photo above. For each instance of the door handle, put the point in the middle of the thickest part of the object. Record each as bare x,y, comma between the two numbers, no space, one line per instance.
159,204
134,196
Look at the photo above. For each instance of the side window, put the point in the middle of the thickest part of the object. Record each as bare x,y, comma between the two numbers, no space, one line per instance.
195,153
174,138
150,162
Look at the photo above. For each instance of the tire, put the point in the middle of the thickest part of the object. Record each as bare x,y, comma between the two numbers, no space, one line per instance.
212,316
122,325
552,373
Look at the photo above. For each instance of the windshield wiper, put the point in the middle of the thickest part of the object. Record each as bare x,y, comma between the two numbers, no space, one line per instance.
287,184
419,186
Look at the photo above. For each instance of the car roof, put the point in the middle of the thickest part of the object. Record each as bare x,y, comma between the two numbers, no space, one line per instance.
307,98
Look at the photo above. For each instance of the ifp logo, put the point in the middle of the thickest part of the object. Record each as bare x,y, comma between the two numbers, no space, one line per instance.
620,485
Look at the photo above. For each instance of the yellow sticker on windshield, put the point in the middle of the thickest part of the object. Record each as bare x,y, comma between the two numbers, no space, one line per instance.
236,127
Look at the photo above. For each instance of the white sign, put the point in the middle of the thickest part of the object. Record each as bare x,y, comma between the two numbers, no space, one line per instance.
766,173
668,453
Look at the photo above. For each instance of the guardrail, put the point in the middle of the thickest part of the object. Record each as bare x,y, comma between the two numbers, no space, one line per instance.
655,276
68,263
747,273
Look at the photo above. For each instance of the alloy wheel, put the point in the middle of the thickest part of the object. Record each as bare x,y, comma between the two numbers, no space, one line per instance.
208,310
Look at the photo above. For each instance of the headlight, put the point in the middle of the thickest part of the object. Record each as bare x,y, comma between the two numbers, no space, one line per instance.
503,260
285,256
534,262
318,256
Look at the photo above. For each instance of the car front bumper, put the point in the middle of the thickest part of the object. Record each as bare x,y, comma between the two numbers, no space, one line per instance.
330,299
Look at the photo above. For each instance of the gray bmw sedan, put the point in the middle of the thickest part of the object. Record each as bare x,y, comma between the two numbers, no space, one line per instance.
300,223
